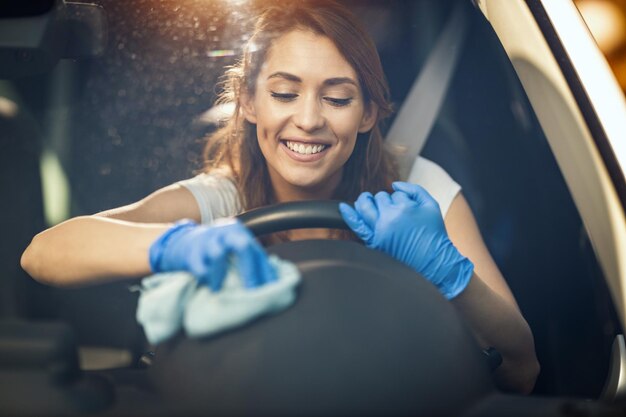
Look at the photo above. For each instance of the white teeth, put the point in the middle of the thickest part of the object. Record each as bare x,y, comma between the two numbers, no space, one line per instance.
304,149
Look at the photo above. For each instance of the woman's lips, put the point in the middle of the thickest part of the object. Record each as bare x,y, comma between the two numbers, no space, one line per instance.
303,157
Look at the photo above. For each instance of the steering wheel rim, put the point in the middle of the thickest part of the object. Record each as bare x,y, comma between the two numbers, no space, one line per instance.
358,323
294,215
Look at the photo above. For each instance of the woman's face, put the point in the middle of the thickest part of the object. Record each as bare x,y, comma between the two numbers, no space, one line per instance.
308,109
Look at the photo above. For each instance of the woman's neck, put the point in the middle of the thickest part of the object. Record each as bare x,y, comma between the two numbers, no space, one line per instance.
284,191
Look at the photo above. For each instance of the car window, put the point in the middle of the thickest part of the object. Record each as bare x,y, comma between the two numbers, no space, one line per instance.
488,137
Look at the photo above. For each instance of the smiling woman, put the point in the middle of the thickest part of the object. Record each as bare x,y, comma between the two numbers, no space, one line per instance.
307,79
309,95
326,114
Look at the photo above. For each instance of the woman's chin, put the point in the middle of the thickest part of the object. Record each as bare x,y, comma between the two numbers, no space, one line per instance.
308,185
316,187
304,182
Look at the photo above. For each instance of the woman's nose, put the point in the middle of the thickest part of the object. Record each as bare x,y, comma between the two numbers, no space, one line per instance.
308,115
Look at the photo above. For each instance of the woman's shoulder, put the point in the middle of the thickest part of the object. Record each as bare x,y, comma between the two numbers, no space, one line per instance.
216,194
211,179
436,181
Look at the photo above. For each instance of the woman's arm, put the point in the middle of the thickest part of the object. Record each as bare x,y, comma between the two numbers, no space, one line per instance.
489,306
109,245
451,255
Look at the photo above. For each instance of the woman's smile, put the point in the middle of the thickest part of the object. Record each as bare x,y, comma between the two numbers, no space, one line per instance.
304,151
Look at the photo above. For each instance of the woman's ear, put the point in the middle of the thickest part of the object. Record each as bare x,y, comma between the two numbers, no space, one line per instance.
369,118
248,108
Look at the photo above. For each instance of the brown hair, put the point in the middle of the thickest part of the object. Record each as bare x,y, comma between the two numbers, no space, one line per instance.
234,145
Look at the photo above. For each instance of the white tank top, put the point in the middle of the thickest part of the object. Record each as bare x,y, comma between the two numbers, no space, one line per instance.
217,197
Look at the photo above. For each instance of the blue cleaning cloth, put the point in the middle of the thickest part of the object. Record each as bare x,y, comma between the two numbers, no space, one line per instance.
173,300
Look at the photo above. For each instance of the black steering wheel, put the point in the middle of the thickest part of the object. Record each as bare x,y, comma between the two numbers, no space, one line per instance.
294,215
366,335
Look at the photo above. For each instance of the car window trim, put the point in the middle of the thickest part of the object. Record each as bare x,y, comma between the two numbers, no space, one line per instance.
589,114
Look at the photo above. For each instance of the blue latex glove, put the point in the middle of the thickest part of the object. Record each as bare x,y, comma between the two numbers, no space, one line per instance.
205,252
408,226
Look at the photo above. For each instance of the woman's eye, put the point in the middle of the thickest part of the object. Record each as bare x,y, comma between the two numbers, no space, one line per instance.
338,102
284,96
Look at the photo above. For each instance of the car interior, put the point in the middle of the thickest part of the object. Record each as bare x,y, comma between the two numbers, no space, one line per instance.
124,112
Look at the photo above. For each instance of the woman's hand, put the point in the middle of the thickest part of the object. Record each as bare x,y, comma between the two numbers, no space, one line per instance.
204,251
408,226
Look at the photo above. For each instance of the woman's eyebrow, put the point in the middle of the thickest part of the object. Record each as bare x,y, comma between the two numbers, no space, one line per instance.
286,76
340,80
329,81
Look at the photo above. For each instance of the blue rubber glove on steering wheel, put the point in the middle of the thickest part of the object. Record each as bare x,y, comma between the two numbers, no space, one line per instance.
205,252
408,226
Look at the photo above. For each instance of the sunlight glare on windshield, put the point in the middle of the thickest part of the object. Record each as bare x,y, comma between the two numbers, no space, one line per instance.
600,84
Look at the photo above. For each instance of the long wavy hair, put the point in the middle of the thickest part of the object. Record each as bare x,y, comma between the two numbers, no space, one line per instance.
234,147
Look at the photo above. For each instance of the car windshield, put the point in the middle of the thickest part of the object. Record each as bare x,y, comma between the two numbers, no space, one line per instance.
103,131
